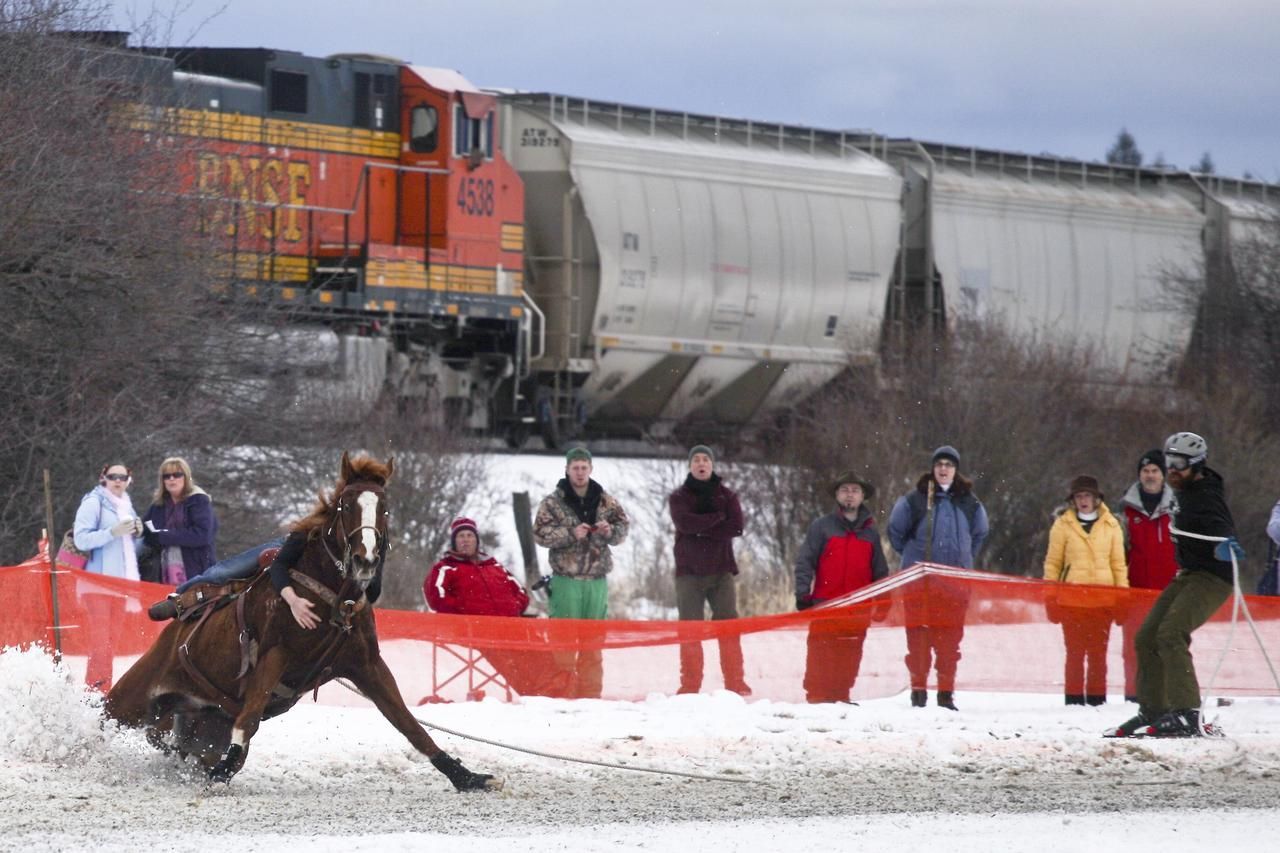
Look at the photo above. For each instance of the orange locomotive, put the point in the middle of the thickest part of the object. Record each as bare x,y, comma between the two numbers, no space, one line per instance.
365,189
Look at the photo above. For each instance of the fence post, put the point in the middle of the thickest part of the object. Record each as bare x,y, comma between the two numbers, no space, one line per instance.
51,552
524,530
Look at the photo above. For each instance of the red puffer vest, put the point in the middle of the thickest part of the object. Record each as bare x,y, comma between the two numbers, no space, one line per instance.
845,565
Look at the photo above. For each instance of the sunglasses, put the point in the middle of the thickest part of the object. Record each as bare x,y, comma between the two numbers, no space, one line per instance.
173,475
116,478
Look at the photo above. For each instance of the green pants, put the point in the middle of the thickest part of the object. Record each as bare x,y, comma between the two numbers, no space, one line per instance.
1166,672
572,598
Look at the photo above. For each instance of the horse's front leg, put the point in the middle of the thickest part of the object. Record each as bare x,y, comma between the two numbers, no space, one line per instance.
262,679
379,685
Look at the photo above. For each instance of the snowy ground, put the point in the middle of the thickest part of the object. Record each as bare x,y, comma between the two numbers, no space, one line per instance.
1009,772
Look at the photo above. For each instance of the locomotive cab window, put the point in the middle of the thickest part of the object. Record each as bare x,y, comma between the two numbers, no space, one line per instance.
375,102
470,134
288,92
424,122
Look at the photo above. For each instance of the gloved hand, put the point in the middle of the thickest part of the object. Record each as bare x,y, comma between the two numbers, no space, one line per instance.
1225,550
120,528
804,602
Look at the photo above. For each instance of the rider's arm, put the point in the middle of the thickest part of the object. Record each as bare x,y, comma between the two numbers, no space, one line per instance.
289,555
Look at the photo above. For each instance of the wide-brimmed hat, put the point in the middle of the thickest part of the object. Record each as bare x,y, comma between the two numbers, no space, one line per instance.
1084,483
846,477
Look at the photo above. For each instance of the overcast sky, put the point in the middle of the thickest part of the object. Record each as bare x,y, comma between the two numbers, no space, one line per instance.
1035,76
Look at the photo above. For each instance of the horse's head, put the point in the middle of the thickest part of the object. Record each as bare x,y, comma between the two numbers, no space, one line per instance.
360,514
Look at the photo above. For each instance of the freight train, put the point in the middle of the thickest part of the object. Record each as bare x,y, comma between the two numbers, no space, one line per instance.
539,263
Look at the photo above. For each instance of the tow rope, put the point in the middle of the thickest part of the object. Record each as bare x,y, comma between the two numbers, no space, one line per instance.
705,777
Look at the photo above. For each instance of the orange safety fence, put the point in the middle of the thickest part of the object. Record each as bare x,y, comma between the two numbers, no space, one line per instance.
1009,643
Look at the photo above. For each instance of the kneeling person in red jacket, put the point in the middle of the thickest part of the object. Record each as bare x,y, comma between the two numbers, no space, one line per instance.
469,581
840,554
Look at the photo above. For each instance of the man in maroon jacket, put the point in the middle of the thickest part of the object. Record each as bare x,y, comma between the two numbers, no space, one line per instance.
1147,507
707,517
841,553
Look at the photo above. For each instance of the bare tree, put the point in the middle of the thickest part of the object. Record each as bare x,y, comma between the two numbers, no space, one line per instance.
103,278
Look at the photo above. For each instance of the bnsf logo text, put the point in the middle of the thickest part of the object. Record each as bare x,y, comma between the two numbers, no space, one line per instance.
258,184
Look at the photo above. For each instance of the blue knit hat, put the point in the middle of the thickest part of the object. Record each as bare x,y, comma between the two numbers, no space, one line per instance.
946,451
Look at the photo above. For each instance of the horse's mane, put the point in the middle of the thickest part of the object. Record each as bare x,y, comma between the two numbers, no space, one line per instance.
364,469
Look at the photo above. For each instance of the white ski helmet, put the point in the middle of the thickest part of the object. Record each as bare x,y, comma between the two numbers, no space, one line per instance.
1187,444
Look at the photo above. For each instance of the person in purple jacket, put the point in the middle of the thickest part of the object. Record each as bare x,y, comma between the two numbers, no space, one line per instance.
707,517
180,523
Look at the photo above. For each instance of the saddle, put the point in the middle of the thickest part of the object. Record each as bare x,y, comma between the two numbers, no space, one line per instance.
194,601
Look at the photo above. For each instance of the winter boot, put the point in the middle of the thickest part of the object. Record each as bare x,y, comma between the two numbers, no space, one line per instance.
1130,727
1096,700
919,698
945,700
1184,722
1075,699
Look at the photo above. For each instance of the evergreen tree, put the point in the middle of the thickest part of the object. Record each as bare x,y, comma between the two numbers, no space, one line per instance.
1205,166
1125,150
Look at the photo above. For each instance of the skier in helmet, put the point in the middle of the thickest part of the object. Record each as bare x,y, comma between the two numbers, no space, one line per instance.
1168,693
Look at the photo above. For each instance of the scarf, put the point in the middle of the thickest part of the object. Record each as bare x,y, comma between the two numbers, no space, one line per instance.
1087,519
124,510
703,492
583,507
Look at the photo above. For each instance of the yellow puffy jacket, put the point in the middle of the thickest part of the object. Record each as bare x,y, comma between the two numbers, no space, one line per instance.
1096,557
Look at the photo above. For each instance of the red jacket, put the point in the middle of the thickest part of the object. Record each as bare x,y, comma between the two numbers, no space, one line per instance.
839,556
459,584
1150,548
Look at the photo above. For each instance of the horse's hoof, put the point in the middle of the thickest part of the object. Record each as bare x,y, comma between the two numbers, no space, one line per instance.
227,767
462,778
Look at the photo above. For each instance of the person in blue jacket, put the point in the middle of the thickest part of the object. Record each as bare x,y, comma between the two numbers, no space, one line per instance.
1269,583
181,524
942,522
108,530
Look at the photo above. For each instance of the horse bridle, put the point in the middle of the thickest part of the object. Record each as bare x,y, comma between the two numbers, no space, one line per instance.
343,564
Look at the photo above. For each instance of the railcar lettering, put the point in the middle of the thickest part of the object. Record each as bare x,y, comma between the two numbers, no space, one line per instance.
258,184
475,196
633,278
537,137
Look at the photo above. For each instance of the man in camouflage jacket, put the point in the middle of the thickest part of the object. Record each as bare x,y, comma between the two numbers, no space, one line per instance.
577,523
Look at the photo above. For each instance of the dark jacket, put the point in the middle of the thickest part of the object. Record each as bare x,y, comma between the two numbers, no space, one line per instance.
839,556
705,530
477,585
195,534
1201,507
290,555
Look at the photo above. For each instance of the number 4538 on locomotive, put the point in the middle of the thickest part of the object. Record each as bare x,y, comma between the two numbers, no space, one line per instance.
372,196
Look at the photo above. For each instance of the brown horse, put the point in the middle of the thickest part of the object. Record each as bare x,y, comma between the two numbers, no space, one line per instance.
239,656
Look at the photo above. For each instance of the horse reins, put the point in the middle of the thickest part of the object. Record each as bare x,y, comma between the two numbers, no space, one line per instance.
341,611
